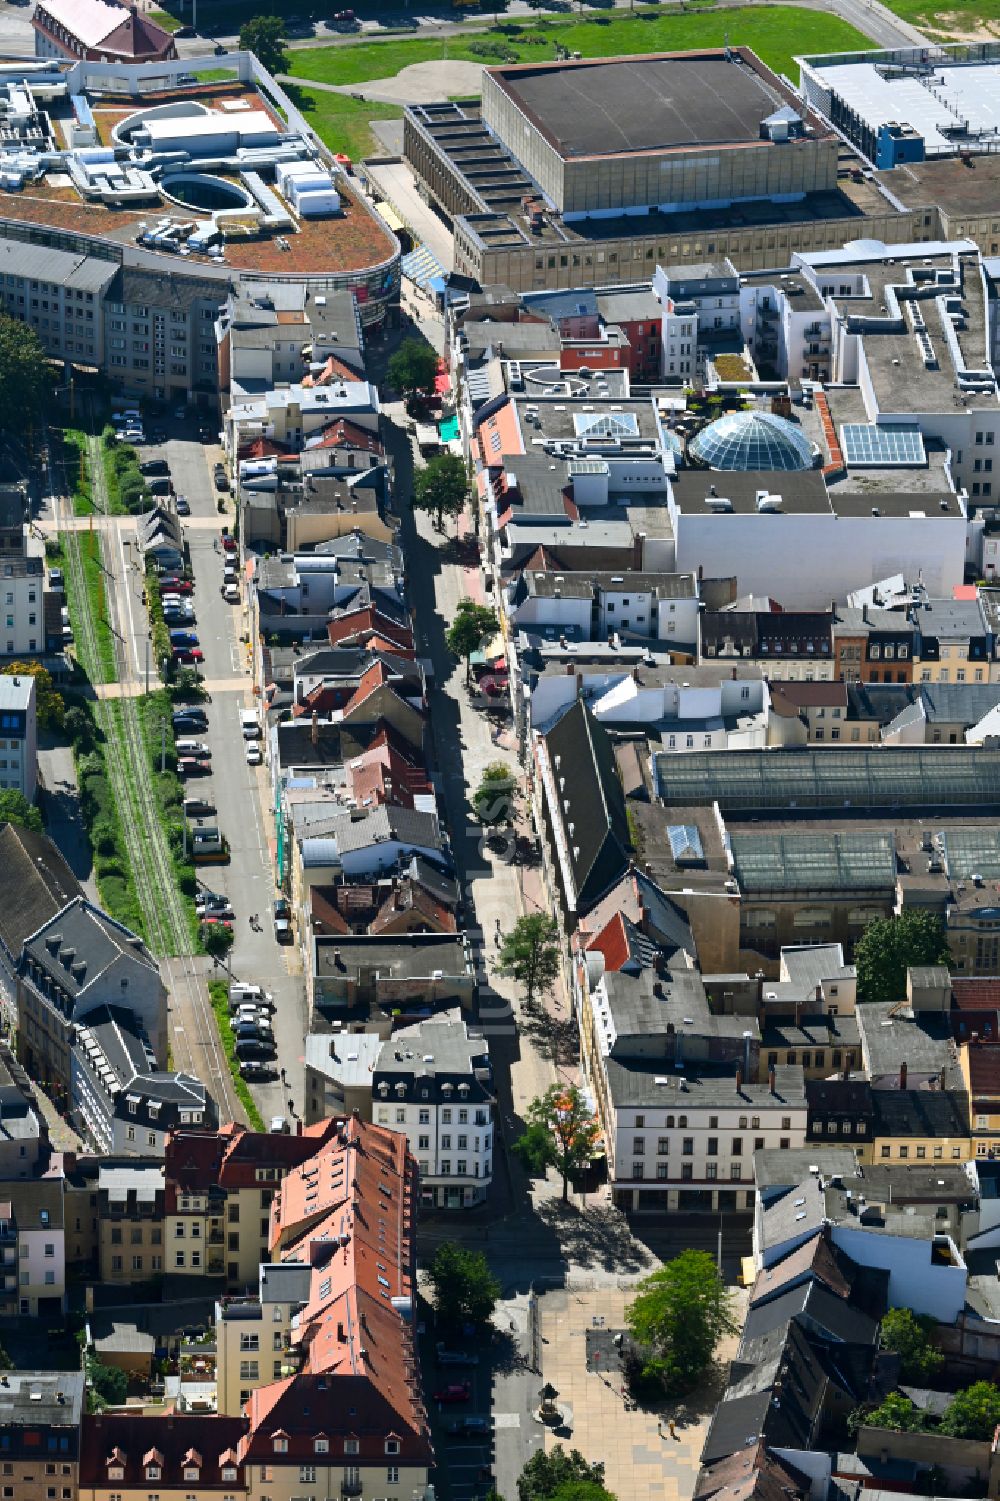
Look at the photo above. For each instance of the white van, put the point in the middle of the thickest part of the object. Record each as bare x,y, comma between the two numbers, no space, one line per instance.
240,994
249,724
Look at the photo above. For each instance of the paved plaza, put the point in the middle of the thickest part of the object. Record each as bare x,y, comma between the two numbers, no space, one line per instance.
642,1459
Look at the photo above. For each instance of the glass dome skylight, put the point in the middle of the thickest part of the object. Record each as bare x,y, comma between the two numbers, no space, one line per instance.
751,440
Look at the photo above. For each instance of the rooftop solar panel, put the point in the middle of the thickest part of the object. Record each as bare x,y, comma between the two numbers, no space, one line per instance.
865,443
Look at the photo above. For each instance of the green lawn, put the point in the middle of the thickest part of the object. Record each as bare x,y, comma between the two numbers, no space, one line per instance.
340,122
777,33
949,20
165,19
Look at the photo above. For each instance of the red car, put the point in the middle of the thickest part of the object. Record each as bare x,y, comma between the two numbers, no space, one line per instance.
221,922
458,1391
188,654
229,544
174,585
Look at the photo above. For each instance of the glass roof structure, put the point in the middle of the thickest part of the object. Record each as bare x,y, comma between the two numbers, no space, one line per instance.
816,862
685,843
971,852
794,780
866,444
606,424
752,440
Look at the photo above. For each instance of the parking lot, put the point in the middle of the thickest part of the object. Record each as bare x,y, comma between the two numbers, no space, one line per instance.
236,789
465,1460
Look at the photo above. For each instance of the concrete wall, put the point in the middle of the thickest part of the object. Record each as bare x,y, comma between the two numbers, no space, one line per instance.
914,1282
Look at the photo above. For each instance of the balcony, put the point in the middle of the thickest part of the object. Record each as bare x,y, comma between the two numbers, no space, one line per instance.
351,1487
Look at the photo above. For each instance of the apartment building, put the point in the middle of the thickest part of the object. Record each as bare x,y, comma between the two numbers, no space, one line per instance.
76,962
41,1413
254,1335
130,1206
174,1456
35,1222
219,1186
350,1420
431,1082
18,735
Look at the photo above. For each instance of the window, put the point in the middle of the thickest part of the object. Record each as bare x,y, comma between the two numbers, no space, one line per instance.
350,1446
307,1474
321,1446
392,1474
280,1445
687,1146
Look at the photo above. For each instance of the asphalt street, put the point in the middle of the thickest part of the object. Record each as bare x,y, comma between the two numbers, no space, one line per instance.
237,789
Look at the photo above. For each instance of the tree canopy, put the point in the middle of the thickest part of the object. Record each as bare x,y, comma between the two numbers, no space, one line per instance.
465,1290
974,1413
493,799
107,1385
216,939
908,1335
680,1312
891,945
440,488
570,1132
15,808
25,376
530,953
413,367
894,1411
557,1475
473,624
264,36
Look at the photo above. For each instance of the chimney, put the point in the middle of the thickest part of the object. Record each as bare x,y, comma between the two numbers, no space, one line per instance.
314,734
739,1081
747,1040
772,1081
902,1076
637,553
864,613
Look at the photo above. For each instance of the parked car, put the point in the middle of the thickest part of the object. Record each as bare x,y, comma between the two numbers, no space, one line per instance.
223,909
163,486
188,656
456,1357
190,716
282,923
184,638
56,578
228,543
221,477
183,506
242,990
254,757
193,748
173,583
256,1072
231,592
193,766
253,1048
456,1391
198,807
468,1427
154,466
249,724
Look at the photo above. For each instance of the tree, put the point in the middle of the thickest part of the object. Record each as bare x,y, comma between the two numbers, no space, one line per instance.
891,945
572,1129
534,1149
413,367
530,953
473,624
465,1290
908,1334
681,1312
15,808
25,376
441,487
493,799
106,1385
216,939
49,705
78,725
974,1413
263,36
896,1411
545,1475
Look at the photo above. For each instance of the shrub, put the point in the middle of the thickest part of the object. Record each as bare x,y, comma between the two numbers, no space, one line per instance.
104,837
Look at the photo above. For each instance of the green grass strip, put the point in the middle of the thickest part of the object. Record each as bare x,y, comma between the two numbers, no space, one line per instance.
218,991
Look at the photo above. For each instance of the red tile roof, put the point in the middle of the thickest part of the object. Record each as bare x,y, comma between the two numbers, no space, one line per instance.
382,774
362,624
344,434
984,1070
229,1158
349,1214
975,995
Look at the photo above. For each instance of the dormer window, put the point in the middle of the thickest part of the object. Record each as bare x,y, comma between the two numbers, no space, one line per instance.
351,1446
152,1472
321,1446
191,1473
229,1472
115,1472
280,1444
392,1446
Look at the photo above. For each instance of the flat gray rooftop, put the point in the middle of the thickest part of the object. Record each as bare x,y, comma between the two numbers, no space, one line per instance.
642,103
